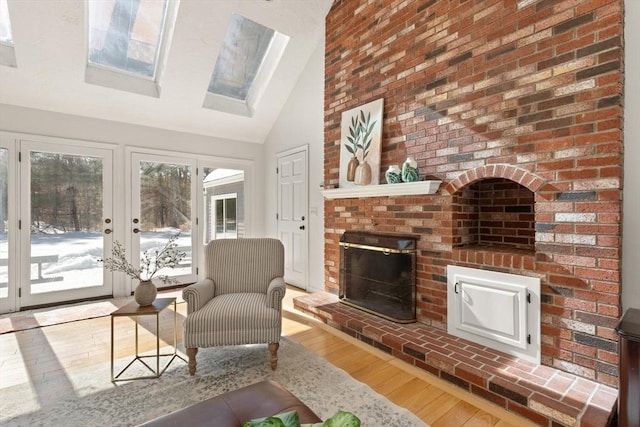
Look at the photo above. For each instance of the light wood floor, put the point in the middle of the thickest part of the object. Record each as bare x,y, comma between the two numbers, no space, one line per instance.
32,355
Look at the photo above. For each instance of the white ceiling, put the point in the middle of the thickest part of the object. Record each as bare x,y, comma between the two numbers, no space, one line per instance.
50,45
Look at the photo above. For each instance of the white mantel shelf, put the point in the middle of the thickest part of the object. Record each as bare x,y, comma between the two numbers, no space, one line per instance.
400,189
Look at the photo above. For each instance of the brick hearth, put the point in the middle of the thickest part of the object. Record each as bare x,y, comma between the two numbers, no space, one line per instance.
545,395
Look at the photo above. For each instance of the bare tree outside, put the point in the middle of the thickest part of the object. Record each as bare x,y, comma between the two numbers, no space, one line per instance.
66,193
165,196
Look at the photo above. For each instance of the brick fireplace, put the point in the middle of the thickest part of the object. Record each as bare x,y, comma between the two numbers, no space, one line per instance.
517,107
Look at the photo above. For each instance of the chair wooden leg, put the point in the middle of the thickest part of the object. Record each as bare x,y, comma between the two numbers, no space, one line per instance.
273,349
191,354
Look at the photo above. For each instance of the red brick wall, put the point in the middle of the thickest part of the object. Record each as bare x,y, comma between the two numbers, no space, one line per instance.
528,91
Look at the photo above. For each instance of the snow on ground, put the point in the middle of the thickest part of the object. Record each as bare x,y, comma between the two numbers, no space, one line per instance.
78,254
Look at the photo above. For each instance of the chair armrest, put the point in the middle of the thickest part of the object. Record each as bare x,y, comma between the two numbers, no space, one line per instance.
198,294
275,293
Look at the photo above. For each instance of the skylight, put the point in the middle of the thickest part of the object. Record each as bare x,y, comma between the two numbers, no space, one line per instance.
247,59
126,34
5,24
127,40
7,52
243,49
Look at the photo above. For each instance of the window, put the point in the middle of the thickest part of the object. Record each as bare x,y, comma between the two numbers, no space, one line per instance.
225,216
224,199
7,51
248,58
127,39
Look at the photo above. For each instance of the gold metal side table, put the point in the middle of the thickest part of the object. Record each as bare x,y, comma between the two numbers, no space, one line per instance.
134,310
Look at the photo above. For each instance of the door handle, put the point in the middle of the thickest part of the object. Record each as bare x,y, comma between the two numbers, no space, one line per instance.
302,227
135,230
107,231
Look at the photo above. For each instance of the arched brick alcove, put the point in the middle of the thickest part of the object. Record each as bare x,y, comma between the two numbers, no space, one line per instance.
513,173
494,206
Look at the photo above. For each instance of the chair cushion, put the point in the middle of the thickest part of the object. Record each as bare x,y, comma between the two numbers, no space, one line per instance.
232,319
243,265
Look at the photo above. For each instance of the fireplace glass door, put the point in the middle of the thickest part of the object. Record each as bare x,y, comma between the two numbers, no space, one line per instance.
377,274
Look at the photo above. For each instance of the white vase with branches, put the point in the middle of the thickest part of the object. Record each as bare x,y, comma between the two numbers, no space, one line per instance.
150,265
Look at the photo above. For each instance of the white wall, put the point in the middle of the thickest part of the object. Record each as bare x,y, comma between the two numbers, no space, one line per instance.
631,221
301,122
46,123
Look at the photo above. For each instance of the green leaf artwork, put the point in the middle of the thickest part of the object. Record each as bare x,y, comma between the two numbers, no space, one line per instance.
360,131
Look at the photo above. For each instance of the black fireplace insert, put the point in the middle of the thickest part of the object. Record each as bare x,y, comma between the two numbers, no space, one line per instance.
378,275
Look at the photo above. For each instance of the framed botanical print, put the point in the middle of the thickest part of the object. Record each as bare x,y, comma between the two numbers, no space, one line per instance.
360,144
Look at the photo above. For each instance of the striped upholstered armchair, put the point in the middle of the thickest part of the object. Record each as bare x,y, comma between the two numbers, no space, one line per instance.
240,299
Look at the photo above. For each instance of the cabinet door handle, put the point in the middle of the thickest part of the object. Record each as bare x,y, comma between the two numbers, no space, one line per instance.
107,231
302,227
135,230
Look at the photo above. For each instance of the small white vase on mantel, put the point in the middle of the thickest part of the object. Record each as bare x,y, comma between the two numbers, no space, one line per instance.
410,170
393,174
145,293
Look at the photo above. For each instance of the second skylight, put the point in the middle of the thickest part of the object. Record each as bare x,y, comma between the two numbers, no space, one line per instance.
244,48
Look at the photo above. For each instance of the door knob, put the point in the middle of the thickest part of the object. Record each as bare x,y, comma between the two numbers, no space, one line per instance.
302,227
107,231
135,230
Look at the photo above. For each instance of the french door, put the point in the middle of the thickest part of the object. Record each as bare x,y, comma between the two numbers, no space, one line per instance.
197,199
7,232
163,206
65,223
58,220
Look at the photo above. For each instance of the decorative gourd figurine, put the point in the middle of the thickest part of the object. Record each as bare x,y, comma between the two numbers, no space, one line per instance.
393,174
410,170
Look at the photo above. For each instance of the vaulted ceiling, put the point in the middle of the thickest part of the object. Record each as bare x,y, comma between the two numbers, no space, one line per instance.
50,40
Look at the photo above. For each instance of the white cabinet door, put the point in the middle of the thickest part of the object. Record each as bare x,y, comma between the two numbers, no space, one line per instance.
495,309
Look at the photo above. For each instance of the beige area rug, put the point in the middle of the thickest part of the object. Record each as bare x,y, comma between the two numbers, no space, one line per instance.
86,397
38,318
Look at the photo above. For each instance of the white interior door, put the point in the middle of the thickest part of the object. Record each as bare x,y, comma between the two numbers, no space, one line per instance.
65,222
292,215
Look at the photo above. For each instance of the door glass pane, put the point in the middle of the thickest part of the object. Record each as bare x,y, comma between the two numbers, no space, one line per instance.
4,212
66,221
230,216
219,218
223,203
165,210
